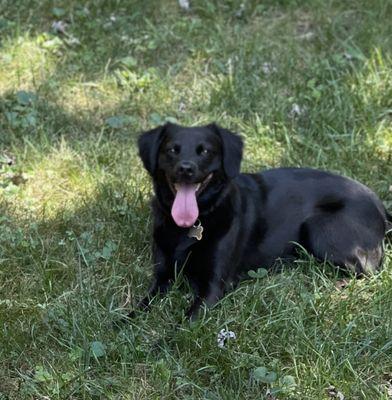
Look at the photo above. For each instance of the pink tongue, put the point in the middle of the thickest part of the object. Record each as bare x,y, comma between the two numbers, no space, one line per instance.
184,209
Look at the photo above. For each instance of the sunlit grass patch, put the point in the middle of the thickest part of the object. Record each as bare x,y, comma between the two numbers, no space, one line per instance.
375,78
381,141
191,84
59,181
25,62
263,145
371,85
96,98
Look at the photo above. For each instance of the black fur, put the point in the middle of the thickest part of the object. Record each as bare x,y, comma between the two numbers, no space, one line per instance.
251,220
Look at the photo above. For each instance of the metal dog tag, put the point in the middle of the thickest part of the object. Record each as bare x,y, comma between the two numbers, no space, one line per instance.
196,231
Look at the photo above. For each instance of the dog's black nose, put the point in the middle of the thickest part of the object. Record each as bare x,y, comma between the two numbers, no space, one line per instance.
186,168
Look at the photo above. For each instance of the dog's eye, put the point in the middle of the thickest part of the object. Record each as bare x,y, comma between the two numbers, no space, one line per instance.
202,151
173,150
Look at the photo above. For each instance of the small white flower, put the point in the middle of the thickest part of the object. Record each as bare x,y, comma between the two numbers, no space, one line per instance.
348,56
306,36
268,68
296,110
184,4
335,393
181,107
59,26
223,336
269,395
240,11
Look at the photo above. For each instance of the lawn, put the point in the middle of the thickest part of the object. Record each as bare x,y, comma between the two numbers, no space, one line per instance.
306,83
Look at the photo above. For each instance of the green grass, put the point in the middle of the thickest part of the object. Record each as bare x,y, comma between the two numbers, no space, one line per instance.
74,209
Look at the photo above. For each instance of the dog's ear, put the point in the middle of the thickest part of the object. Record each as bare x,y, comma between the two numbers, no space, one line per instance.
149,143
232,150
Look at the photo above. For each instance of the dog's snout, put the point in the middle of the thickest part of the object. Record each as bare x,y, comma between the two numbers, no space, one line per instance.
186,169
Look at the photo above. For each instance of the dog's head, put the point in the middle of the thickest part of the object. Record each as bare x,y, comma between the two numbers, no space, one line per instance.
191,161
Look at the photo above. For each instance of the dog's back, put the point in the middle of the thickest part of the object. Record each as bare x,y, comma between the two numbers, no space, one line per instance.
332,217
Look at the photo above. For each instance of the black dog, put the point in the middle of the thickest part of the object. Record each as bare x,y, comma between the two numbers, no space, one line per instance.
215,223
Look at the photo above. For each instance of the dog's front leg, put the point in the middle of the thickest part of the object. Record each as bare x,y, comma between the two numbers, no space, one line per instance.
208,295
163,277
213,269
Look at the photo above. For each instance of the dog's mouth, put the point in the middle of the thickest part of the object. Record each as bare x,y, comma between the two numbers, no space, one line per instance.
199,187
185,210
